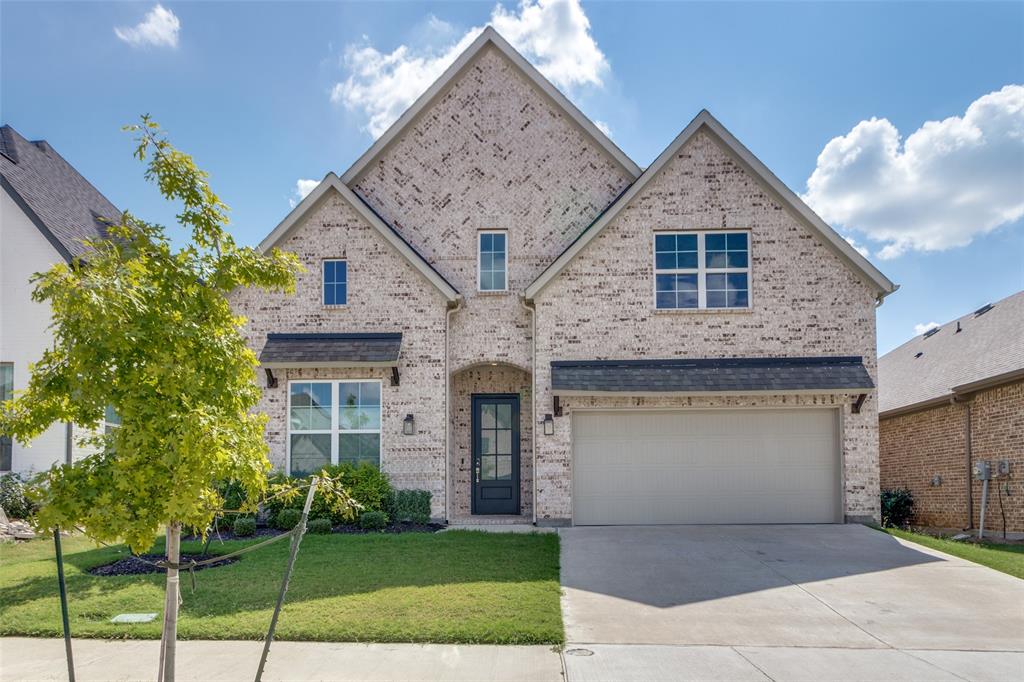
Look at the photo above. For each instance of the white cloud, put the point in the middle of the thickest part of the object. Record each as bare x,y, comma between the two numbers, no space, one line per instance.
859,248
922,328
159,27
949,181
553,34
604,127
302,188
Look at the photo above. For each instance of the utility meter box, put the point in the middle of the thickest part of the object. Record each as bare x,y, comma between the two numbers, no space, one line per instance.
1003,467
982,471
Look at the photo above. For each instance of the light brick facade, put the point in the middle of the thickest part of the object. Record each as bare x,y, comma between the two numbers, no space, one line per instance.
918,446
492,151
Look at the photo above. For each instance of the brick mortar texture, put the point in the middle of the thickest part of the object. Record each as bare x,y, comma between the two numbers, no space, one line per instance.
805,301
916,447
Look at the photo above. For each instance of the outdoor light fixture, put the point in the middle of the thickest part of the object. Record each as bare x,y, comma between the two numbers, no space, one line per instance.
549,425
409,425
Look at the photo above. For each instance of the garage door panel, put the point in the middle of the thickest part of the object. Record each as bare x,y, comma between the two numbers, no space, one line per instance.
715,466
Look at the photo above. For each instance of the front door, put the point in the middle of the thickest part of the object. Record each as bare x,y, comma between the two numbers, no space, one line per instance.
496,454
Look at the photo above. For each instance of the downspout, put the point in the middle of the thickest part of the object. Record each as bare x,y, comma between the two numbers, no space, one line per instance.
532,310
968,455
447,405
68,439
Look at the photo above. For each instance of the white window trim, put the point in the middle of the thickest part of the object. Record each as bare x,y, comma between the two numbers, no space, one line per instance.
334,431
701,270
479,262
323,284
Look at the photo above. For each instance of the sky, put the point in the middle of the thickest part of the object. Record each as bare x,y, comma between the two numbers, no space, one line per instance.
901,124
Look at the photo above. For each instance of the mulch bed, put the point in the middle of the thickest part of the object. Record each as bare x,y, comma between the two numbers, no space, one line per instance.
132,566
393,528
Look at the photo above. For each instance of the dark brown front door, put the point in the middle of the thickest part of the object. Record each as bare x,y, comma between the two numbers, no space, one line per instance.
496,454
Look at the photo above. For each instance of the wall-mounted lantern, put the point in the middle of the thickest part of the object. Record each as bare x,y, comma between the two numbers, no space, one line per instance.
409,425
549,425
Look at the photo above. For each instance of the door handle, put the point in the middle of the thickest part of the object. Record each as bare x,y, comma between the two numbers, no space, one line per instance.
477,469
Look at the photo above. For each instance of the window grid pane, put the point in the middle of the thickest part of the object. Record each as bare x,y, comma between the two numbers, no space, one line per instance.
335,285
491,262
316,425
701,270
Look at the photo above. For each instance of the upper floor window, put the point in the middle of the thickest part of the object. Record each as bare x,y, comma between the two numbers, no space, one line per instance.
493,261
335,282
701,270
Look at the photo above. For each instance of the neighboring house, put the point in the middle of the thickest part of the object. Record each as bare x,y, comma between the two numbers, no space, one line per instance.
949,399
48,210
502,308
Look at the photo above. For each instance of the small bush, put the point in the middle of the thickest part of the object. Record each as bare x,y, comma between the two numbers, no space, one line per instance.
320,526
366,484
286,519
412,506
373,520
13,498
897,507
245,526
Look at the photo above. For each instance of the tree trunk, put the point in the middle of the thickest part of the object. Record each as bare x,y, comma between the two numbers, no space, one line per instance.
171,598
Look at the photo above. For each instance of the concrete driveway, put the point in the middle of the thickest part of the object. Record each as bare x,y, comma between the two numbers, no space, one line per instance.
756,601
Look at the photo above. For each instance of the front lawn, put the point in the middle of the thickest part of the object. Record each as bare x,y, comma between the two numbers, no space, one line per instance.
467,587
1006,558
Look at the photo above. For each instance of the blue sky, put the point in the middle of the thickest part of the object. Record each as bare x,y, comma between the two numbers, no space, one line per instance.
266,94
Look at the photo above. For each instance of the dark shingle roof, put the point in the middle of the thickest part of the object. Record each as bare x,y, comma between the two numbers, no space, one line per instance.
65,207
710,375
988,345
294,350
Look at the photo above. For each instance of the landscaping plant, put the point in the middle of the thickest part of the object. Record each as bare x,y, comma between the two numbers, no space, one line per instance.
412,506
145,327
319,526
373,520
245,526
13,499
897,507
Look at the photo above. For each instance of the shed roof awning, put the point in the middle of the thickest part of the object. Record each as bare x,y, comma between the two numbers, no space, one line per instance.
331,350
710,375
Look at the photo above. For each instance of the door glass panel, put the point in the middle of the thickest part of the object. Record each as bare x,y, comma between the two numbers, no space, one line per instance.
503,416
504,446
487,441
487,416
504,471
488,468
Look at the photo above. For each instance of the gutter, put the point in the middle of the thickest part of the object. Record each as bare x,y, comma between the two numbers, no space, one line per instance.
956,394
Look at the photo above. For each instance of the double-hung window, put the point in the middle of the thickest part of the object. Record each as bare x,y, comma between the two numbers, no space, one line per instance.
335,278
493,260
701,270
333,422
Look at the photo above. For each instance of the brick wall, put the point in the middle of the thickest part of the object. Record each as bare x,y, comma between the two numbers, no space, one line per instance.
805,301
917,446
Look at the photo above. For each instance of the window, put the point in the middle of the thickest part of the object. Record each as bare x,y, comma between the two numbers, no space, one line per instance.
493,252
701,270
335,282
333,422
111,419
6,393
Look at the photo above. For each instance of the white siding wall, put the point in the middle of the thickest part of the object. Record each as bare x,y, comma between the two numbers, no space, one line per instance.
23,322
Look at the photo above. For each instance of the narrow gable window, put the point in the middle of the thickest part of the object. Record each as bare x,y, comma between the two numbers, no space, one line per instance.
703,270
335,282
492,264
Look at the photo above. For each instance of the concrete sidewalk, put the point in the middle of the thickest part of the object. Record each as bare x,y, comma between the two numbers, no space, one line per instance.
24,659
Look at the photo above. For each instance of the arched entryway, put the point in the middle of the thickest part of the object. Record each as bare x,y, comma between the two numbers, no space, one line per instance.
491,459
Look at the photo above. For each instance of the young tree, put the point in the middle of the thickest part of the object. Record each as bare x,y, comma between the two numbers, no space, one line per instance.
146,329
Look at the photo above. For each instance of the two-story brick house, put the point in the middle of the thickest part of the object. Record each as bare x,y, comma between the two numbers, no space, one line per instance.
502,308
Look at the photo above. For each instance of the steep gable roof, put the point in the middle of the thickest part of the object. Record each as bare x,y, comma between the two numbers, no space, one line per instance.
705,121
982,347
488,37
65,207
331,182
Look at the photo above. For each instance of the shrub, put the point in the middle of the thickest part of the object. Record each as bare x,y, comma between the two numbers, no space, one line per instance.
286,519
365,483
245,526
373,520
897,507
13,498
411,506
319,526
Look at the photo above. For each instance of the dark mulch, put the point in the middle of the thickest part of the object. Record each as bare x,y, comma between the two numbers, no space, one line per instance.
230,535
132,566
392,528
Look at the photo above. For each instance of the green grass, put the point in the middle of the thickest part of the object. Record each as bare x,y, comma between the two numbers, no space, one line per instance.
466,587
1006,558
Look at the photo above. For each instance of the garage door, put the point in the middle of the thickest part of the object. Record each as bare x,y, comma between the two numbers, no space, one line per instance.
704,466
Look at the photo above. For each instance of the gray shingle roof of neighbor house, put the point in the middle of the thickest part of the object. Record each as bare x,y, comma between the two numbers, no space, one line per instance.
331,350
710,375
933,367
65,207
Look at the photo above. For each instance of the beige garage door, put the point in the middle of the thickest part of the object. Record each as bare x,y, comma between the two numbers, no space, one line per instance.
704,466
